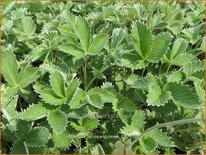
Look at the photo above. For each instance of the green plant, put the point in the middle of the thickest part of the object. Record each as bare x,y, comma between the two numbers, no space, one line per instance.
103,77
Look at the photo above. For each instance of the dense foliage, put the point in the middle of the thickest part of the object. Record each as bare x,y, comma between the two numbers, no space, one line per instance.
103,77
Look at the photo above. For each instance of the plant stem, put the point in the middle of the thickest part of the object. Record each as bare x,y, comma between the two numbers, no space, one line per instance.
142,74
26,148
173,123
168,68
85,74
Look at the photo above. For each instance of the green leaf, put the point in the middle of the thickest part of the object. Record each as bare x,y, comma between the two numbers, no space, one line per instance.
72,89
194,67
58,121
18,147
160,137
57,84
83,32
183,96
136,126
199,87
118,35
182,59
156,96
142,39
148,143
85,124
28,26
78,100
62,140
37,136
179,47
34,112
48,95
175,76
27,76
95,100
160,47
106,96
97,149
9,68
72,49
98,44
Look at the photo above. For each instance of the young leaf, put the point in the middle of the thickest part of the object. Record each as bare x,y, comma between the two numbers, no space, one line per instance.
37,136
28,26
98,44
9,68
58,121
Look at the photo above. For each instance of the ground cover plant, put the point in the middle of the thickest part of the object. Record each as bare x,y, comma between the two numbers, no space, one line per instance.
103,77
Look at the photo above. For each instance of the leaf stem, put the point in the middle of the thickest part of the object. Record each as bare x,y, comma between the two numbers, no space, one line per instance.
172,123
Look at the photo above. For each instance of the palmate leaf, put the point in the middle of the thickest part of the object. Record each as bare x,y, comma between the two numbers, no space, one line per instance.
34,112
156,96
27,76
98,44
58,121
62,140
57,84
37,136
83,32
183,96
9,68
